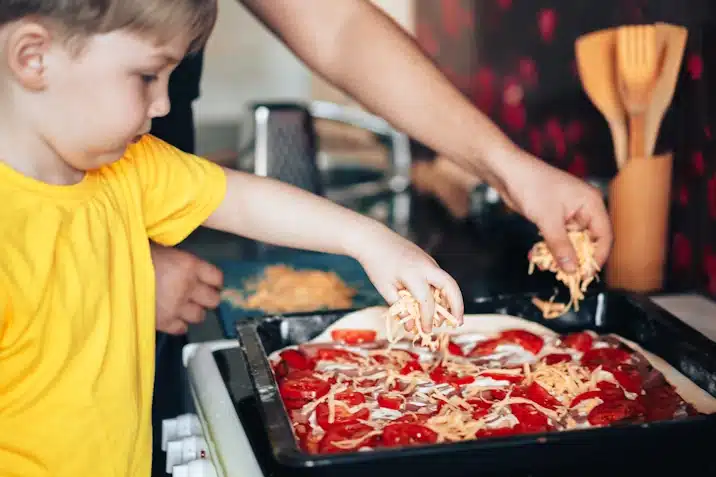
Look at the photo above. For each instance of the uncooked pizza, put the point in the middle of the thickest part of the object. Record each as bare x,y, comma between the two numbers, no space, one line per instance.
360,393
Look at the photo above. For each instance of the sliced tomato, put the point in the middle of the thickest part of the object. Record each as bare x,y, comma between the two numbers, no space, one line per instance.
350,431
440,375
628,377
303,385
411,366
529,341
337,354
384,359
404,434
351,398
584,397
454,349
510,378
413,417
555,358
610,412
296,359
581,341
497,432
610,391
292,404
390,402
535,392
606,357
280,369
496,394
353,337
660,403
341,415
484,348
306,440
531,420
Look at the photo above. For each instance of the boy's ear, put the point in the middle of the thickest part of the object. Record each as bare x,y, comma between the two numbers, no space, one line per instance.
27,46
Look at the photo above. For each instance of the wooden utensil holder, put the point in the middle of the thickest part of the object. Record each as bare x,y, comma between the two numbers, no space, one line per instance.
639,198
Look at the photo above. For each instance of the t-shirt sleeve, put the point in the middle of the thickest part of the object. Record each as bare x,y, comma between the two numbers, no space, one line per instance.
179,190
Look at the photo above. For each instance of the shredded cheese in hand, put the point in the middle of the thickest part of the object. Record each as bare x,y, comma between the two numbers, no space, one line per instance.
407,309
577,282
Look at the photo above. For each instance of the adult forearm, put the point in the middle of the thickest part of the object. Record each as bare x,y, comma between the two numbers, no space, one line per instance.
284,215
363,52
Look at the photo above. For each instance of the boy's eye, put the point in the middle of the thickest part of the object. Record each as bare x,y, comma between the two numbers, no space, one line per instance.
148,78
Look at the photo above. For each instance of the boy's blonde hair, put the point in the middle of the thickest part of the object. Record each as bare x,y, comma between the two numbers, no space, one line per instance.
159,19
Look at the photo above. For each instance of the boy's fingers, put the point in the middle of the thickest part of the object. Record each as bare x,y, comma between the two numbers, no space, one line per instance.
418,287
443,281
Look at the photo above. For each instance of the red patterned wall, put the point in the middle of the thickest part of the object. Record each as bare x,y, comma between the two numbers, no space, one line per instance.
515,61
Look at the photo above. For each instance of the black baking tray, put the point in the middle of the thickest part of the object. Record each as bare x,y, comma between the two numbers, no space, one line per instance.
679,444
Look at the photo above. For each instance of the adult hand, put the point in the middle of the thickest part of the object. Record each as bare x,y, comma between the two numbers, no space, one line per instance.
553,199
185,288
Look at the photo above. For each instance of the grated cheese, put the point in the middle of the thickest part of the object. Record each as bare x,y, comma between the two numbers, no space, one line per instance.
576,282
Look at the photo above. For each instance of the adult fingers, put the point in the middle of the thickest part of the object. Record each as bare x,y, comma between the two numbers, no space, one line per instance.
555,236
192,313
209,274
204,295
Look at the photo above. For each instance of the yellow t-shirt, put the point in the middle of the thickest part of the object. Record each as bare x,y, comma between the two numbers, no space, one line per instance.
77,309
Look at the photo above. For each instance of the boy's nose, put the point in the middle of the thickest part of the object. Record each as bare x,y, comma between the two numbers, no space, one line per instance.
160,107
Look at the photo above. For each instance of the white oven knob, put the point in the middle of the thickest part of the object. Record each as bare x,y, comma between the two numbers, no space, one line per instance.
185,450
195,468
186,425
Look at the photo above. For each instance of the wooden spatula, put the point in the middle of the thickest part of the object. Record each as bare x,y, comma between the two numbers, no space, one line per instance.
596,57
672,39
638,65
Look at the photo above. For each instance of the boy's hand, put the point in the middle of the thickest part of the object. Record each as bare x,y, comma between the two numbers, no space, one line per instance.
186,287
393,263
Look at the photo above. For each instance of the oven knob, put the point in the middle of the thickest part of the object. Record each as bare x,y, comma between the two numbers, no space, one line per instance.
185,450
186,425
195,468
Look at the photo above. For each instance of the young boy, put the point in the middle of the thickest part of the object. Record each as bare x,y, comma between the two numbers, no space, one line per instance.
83,189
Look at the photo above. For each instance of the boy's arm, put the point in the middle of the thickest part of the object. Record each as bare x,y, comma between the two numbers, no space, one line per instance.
271,211
274,212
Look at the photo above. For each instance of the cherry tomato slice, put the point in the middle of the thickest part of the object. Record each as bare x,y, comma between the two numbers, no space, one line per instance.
610,412
529,341
607,357
296,359
610,391
531,420
440,376
497,432
336,354
343,432
484,348
413,417
581,341
585,396
280,369
390,402
341,416
353,337
303,385
510,378
454,349
660,403
403,433
411,366
628,377
541,396
555,358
